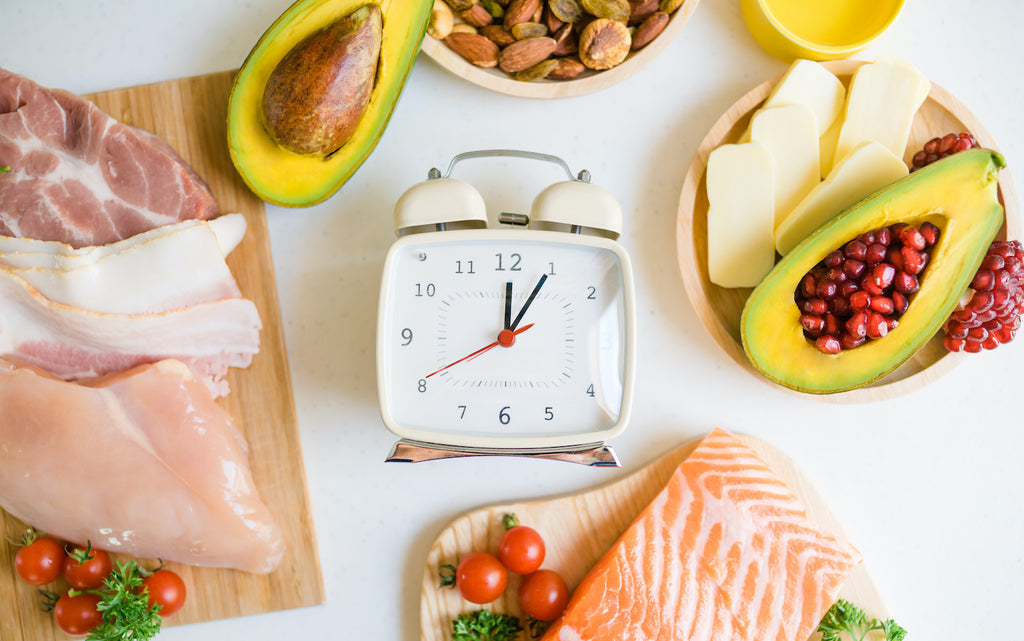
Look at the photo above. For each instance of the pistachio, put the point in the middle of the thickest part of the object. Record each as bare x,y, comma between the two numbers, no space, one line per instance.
441,20
608,9
566,10
604,43
536,72
670,6
525,30
496,9
460,5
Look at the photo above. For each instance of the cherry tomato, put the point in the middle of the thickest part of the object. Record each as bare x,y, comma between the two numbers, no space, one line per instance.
77,615
543,595
40,562
167,590
480,577
521,550
90,574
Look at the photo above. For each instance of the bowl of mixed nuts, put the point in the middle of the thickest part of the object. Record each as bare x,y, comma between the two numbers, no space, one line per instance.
551,48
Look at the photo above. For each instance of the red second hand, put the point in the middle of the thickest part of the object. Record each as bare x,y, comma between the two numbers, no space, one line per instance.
481,350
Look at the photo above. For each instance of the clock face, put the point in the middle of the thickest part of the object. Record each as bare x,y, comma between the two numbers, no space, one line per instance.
487,337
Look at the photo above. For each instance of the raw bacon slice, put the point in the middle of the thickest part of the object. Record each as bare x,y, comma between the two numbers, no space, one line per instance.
72,343
82,178
725,551
144,274
143,462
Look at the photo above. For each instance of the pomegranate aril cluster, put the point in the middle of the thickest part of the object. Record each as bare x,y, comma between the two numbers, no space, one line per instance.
858,292
941,147
994,303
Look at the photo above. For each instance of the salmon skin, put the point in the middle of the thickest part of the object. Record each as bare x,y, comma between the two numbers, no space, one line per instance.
724,552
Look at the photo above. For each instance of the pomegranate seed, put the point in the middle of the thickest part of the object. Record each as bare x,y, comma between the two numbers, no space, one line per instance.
812,323
868,238
839,306
814,306
1002,249
827,289
953,344
910,237
860,300
849,342
883,236
993,262
992,325
836,275
983,281
854,268
834,259
1015,266
848,288
977,334
900,304
984,317
895,258
947,143
868,284
930,233
896,228
981,302
856,250
891,323
1004,334
913,260
828,344
965,316
877,326
882,304
875,254
1003,280
857,325
808,286
990,343
882,275
972,347
956,330
906,283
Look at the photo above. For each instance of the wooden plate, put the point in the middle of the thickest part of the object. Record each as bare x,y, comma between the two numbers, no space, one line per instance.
579,528
190,115
720,308
588,82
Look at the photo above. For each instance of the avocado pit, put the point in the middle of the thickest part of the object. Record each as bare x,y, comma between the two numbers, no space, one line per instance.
319,91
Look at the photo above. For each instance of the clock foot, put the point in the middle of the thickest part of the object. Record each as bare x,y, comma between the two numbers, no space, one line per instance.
592,454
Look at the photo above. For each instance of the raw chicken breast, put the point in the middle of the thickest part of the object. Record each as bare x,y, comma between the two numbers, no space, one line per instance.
82,178
142,462
725,552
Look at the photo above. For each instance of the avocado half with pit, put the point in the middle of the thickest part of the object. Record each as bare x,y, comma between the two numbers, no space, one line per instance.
958,194
291,178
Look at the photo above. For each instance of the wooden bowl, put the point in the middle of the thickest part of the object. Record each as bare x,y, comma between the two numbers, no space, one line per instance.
590,81
720,308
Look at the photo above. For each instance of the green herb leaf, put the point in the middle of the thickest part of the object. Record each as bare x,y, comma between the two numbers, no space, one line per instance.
127,614
845,617
3,169
484,625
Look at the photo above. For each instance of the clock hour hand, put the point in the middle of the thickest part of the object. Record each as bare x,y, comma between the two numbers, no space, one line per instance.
508,305
504,340
529,300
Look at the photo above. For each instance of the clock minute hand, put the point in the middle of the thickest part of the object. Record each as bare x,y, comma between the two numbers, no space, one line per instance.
529,300
508,305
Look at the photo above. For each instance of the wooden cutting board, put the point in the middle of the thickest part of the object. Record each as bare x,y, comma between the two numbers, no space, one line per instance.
579,528
190,115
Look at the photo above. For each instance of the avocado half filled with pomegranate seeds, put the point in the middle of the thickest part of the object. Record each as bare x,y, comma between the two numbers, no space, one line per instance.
953,201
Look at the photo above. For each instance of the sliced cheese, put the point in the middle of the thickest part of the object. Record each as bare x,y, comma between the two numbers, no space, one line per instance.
827,146
880,106
740,185
810,84
790,134
870,167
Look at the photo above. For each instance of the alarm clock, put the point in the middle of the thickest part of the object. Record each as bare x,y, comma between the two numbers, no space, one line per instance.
517,340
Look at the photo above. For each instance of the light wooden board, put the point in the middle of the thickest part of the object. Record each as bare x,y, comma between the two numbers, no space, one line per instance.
590,81
720,308
579,528
190,115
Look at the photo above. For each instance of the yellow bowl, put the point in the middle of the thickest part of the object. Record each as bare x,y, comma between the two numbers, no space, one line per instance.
818,29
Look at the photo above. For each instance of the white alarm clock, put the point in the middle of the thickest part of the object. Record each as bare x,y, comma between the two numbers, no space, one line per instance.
510,341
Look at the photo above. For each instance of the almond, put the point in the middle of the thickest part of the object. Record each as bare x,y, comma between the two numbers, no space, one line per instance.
520,11
649,29
525,53
640,9
566,69
475,48
477,16
566,42
499,34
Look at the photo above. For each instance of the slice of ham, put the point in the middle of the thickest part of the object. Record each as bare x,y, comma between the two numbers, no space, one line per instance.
145,274
73,343
142,462
80,177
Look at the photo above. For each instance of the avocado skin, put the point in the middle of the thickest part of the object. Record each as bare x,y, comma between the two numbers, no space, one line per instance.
958,194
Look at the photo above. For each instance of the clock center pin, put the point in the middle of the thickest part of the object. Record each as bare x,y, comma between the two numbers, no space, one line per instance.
506,338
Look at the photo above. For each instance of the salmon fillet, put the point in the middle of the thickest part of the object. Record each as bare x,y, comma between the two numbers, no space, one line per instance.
725,552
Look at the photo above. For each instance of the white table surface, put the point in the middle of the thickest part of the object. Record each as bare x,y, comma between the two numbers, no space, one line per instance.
928,485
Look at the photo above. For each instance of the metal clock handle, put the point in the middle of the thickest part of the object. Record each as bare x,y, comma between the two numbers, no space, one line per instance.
583,176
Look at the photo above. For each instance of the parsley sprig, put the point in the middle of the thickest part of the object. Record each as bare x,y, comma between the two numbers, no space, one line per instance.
127,614
4,168
483,625
844,616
